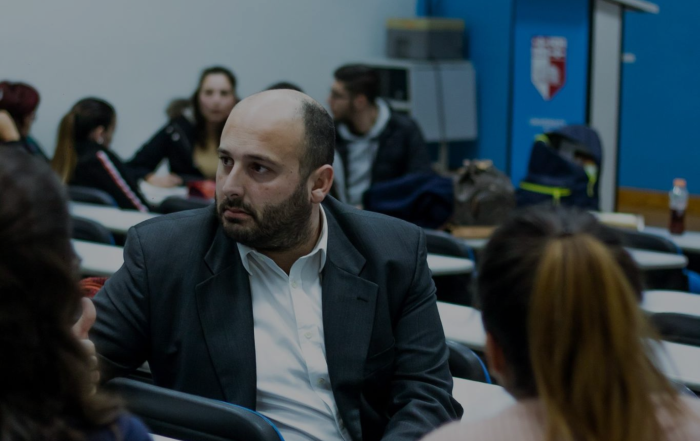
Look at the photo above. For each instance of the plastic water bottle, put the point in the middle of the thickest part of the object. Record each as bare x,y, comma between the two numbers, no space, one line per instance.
678,202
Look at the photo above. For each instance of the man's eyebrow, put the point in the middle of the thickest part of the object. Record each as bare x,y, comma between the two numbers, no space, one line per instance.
261,158
255,157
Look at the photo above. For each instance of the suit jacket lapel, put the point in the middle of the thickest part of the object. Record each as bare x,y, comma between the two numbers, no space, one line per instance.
226,313
348,313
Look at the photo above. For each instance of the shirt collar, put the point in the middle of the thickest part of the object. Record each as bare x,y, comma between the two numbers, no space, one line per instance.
321,247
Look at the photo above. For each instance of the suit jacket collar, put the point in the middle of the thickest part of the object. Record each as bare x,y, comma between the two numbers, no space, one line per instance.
349,303
226,313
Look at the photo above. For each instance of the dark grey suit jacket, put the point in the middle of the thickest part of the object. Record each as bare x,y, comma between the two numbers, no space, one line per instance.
182,301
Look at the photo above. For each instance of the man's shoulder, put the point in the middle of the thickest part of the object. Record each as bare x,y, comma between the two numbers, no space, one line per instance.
398,121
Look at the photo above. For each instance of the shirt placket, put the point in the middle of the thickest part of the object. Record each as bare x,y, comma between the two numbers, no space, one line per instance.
310,337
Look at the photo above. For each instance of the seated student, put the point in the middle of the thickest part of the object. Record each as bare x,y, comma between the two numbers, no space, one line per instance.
566,337
18,104
373,143
189,141
46,385
83,157
319,316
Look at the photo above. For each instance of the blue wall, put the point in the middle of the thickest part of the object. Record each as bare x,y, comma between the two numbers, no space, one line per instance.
488,46
660,107
532,114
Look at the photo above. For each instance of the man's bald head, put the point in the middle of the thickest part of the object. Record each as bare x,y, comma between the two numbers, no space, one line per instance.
294,115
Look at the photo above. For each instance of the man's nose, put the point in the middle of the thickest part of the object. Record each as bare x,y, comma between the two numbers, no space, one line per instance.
234,184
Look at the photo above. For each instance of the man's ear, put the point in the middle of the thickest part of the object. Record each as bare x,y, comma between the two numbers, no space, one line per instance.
495,359
321,181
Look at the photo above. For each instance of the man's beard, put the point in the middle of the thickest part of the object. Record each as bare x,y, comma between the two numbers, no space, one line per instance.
346,116
279,227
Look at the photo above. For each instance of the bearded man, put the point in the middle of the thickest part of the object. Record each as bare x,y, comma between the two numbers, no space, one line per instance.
281,299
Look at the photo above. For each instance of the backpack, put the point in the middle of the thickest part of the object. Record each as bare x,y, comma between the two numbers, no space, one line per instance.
564,169
483,195
424,199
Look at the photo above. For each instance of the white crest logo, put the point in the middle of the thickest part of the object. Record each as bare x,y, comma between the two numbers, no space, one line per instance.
548,65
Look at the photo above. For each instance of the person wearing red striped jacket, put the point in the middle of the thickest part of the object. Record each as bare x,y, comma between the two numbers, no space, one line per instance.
83,157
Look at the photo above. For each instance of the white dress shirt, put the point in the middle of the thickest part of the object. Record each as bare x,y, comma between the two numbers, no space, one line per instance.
293,386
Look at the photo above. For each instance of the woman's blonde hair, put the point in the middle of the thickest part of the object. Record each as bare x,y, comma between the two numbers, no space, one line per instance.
560,296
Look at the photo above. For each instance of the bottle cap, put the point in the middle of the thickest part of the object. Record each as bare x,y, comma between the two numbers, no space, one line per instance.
679,182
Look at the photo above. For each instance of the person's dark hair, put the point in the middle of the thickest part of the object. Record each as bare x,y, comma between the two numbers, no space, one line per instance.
319,137
560,296
84,117
177,107
359,79
19,100
285,85
200,122
45,389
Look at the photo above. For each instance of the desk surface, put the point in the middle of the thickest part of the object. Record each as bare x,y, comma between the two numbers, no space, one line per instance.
156,195
480,400
652,260
114,219
476,244
449,266
646,260
463,324
105,260
688,241
671,301
97,259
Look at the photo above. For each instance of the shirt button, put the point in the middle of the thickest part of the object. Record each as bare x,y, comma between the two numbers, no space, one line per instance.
321,382
295,285
308,334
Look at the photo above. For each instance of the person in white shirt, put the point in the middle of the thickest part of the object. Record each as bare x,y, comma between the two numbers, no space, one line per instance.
320,316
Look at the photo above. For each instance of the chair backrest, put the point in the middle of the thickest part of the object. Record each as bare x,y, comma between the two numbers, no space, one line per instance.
90,196
174,204
91,231
453,289
683,389
439,242
188,417
464,363
646,241
674,279
677,328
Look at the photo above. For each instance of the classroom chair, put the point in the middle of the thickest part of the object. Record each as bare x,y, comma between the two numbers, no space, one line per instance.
90,196
174,204
90,231
677,328
451,289
184,416
656,279
464,363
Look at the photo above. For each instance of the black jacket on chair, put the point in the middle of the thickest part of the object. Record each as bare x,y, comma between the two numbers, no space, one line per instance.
174,142
100,168
401,150
182,301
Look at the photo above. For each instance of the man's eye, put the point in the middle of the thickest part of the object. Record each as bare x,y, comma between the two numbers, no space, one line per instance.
257,168
225,160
